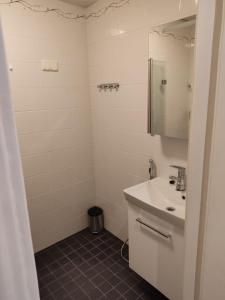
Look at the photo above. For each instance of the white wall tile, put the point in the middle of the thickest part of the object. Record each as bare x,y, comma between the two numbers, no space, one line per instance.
60,139
36,164
25,74
62,179
37,185
63,119
62,159
32,121
34,143
29,98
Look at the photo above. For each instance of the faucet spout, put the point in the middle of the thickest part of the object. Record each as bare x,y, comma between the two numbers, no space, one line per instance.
181,178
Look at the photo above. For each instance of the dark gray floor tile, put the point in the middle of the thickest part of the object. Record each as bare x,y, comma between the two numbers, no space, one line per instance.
113,295
86,267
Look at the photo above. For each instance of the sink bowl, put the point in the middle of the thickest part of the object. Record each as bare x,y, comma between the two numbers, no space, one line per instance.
159,197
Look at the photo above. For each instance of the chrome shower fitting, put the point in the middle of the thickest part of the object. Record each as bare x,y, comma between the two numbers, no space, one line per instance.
152,169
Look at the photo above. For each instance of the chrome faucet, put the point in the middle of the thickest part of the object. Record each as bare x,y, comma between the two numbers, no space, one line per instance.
152,169
180,179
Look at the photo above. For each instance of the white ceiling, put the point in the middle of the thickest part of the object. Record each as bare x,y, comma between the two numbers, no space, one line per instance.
83,3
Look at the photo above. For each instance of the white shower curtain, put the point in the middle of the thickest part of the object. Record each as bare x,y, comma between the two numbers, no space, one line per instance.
18,280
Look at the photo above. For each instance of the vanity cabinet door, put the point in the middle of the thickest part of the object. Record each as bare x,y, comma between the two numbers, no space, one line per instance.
156,251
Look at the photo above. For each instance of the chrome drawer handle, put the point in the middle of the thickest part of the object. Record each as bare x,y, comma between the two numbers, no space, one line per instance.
165,235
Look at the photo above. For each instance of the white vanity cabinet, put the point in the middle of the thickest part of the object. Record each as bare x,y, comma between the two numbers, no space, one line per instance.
156,251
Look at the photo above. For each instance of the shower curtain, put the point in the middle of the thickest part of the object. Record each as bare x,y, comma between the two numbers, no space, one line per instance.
18,280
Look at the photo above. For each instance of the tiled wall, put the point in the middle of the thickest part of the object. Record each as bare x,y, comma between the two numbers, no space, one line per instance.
53,118
118,52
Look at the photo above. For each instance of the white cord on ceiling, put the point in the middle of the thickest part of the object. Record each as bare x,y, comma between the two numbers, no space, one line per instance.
65,14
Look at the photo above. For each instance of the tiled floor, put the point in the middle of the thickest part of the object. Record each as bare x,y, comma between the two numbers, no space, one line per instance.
86,266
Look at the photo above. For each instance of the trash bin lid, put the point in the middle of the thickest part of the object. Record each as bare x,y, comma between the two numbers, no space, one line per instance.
95,211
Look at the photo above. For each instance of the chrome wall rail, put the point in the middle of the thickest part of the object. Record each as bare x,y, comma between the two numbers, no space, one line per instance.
165,235
108,86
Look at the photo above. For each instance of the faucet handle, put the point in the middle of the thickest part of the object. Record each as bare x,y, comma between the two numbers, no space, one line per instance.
181,170
178,167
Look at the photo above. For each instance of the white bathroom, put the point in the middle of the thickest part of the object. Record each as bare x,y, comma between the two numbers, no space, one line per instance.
111,144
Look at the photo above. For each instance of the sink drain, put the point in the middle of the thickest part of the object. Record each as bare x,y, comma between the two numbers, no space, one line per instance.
170,208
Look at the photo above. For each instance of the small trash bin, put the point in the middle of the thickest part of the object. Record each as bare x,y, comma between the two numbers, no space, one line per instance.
95,219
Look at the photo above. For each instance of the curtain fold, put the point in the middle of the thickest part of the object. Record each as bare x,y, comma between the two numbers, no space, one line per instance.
18,280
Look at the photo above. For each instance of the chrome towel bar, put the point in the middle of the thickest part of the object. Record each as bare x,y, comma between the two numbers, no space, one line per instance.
165,235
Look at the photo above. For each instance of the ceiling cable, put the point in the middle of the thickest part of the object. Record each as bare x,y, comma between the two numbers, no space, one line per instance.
66,14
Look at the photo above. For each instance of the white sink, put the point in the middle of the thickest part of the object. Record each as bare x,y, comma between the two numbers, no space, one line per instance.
159,197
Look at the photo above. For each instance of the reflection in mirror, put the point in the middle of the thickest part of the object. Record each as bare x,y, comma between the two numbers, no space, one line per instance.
171,61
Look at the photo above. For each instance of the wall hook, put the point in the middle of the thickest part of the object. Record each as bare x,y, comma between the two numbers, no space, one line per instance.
108,86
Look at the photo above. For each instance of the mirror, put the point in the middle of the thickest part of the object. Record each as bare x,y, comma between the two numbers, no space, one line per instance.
171,68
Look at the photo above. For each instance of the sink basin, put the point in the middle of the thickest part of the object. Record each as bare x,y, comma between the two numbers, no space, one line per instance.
159,197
